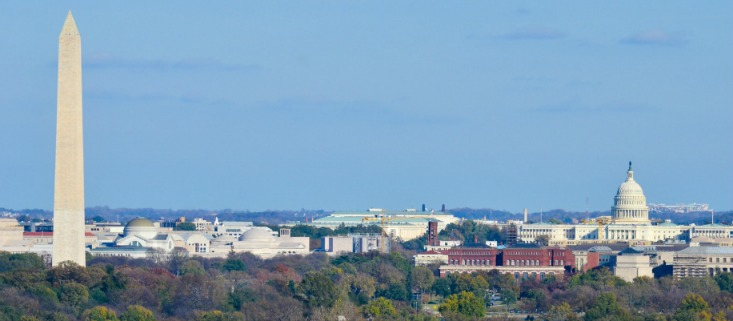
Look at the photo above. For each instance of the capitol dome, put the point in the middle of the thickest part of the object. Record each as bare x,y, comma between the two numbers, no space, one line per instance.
257,235
141,227
630,203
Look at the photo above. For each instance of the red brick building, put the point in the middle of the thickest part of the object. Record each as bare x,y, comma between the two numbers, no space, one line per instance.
540,256
521,262
472,256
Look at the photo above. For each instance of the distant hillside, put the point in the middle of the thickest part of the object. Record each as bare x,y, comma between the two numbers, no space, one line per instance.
104,213
274,217
564,216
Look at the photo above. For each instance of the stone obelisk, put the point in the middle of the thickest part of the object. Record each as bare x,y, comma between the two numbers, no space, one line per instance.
68,200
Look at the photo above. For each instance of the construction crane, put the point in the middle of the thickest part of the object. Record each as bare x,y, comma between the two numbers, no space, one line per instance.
383,219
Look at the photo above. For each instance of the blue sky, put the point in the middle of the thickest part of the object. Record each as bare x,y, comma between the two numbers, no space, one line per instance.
349,105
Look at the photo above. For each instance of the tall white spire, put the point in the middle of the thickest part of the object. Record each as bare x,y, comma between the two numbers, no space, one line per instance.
68,207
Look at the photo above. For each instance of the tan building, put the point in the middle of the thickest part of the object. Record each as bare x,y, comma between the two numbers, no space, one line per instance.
11,237
631,264
703,261
430,257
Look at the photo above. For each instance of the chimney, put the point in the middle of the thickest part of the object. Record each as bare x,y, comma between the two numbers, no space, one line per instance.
525,215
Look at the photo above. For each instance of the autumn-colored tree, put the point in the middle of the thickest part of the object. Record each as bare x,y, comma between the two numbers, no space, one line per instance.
379,307
561,312
99,313
137,313
465,303
693,308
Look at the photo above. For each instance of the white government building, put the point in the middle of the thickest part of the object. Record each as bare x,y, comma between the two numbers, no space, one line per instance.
629,223
403,225
141,236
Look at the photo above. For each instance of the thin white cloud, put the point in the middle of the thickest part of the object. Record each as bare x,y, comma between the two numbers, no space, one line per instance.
653,38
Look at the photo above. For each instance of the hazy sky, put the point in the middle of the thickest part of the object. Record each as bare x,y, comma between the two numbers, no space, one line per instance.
355,104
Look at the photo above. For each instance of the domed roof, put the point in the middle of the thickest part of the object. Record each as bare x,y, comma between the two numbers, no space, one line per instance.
257,234
140,222
630,186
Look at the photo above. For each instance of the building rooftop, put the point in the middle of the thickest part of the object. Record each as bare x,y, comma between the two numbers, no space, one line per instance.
722,250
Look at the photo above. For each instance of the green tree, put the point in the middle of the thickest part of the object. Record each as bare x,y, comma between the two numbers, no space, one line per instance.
317,290
234,264
396,291
11,262
606,307
185,226
192,267
137,313
724,281
441,286
509,296
73,294
379,307
465,303
99,313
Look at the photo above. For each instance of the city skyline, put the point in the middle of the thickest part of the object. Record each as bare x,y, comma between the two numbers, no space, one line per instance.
353,105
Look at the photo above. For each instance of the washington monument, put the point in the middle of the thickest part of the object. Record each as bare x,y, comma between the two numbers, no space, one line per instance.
68,199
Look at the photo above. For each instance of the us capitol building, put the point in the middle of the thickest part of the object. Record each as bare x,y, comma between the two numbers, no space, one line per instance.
630,223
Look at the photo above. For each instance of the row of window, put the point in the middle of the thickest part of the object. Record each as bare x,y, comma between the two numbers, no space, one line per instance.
524,275
717,260
470,262
470,253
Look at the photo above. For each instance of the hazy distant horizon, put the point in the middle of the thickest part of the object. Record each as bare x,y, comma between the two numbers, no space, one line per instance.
448,209
352,105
